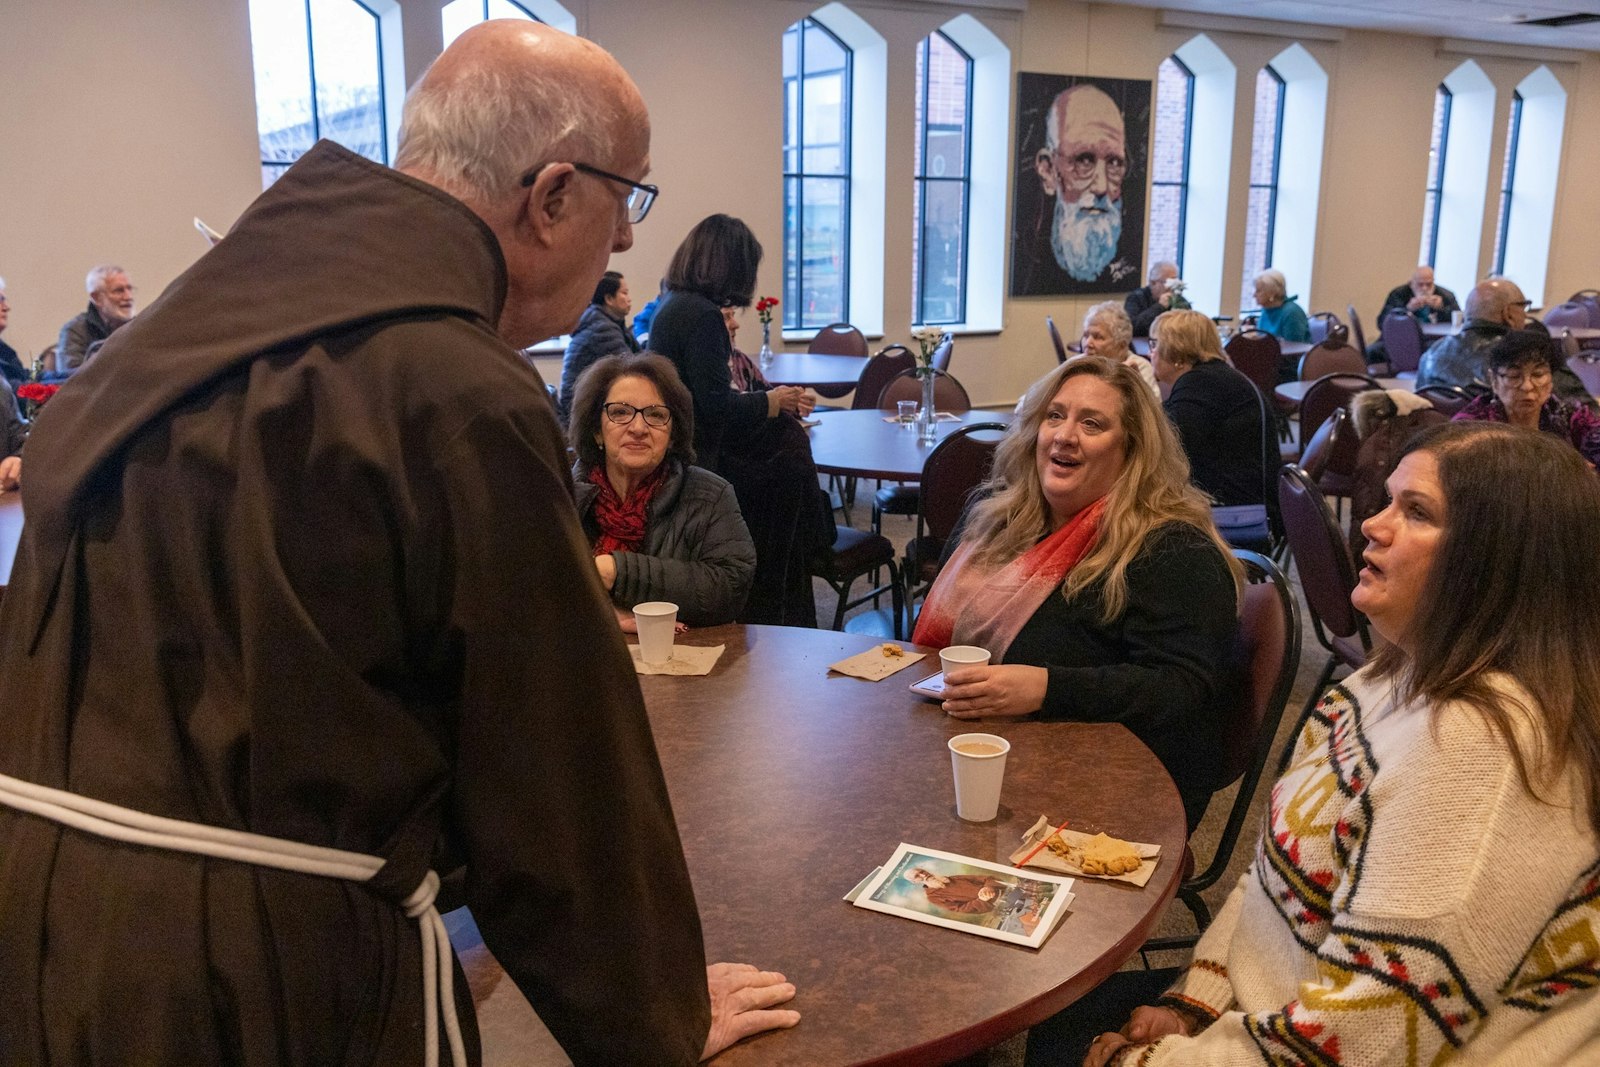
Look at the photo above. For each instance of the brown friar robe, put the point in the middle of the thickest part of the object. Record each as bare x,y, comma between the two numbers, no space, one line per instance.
301,559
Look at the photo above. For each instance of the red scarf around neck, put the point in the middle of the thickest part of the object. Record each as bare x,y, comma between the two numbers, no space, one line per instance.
622,522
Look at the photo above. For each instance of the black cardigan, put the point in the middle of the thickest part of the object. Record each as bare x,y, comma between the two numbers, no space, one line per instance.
1218,418
688,329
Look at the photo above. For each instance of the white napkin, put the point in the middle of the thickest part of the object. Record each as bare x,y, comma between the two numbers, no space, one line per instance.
686,660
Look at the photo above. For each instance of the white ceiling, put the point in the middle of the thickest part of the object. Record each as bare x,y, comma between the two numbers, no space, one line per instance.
1477,20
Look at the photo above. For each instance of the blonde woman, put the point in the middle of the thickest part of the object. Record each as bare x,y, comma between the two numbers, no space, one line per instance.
1094,576
1214,408
1108,333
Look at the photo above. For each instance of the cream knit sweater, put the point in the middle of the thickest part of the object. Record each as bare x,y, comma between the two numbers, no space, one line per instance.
1410,903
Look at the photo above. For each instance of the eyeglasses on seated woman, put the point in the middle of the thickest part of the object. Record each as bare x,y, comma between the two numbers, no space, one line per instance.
1522,368
661,529
1092,573
1427,886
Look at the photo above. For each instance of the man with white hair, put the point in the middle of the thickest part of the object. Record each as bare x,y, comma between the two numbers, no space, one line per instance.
110,307
1146,304
302,577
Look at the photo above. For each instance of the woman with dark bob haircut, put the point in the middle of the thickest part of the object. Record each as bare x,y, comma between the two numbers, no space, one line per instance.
1427,887
715,267
660,528
1522,369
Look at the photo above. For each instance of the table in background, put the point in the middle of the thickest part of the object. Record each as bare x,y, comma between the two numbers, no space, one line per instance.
862,444
10,533
1296,391
791,784
815,371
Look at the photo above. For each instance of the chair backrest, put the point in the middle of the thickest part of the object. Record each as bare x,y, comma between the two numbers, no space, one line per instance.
1446,399
942,354
1402,337
877,373
948,394
839,339
1588,373
1327,576
1330,357
1264,659
1255,354
1055,339
1564,316
956,466
1589,298
47,359
1319,325
1355,326
1327,393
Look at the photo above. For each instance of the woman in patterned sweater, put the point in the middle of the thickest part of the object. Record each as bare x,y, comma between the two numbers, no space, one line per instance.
1428,886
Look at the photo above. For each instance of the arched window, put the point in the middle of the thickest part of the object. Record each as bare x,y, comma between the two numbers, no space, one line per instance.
1508,181
942,163
1169,164
458,16
1266,144
1438,146
816,176
319,72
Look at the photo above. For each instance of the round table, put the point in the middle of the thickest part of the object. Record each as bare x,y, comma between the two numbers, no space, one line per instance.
862,444
791,783
1295,392
815,371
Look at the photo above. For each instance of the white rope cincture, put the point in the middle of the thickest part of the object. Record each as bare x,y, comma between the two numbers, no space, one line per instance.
176,835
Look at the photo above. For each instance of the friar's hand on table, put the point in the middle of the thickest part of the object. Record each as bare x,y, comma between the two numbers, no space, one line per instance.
1004,690
744,1001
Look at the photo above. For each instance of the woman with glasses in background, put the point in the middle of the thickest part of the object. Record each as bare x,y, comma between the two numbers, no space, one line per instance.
660,528
1522,367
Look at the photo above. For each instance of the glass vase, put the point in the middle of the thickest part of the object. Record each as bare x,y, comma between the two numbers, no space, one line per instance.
765,356
927,417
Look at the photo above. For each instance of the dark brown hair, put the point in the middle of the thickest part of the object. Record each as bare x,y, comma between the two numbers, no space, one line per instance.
718,260
1512,590
589,396
1520,347
610,282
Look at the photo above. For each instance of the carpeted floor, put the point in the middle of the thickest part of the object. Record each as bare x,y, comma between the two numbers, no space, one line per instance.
899,530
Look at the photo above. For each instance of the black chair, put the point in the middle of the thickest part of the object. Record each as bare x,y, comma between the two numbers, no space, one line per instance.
1263,662
948,395
1055,339
1325,395
1319,324
1255,527
1446,399
1327,575
839,339
1403,340
855,553
956,466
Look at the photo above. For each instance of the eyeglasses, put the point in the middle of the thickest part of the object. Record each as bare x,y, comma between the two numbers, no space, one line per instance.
1516,378
640,195
1082,165
656,416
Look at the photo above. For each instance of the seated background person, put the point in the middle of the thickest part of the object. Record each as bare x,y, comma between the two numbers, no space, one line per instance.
11,368
1094,576
1422,298
1522,375
1143,305
1214,408
13,432
1107,333
746,376
1495,307
602,331
110,306
1424,890
661,529
1280,314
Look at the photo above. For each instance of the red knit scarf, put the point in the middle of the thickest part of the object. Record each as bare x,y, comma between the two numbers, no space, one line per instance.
621,521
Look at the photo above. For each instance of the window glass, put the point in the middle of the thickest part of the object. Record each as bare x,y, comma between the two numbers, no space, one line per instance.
459,16
1438,144
816,161
1169,165
941,162
1508,179
1265,138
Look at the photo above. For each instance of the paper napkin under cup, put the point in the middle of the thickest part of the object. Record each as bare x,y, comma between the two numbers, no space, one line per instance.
875,664
686,660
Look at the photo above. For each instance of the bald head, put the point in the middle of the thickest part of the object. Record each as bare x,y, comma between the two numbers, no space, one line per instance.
509,95
1497,300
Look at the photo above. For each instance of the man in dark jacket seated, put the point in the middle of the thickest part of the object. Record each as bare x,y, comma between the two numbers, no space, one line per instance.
1495,307
1143,305
1422,298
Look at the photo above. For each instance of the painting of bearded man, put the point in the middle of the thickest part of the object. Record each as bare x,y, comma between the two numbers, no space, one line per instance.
1078,222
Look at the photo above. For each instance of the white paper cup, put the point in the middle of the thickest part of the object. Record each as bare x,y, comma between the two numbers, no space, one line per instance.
657,621
907,411
979,764
958,656
1455,321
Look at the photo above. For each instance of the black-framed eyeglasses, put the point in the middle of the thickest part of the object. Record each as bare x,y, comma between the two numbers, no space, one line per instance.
640,195
657,416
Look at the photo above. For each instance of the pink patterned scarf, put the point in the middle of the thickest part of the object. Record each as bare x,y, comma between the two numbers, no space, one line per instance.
972,604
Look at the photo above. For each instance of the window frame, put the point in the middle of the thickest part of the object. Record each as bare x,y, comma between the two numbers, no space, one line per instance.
1435,187
1508,183
1272,187
919,235
791,303
1182,184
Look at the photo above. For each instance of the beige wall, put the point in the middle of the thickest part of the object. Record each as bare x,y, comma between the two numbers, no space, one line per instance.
114,166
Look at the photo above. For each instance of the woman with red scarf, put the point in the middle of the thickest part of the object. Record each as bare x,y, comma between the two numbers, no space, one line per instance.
1094,576
661,528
